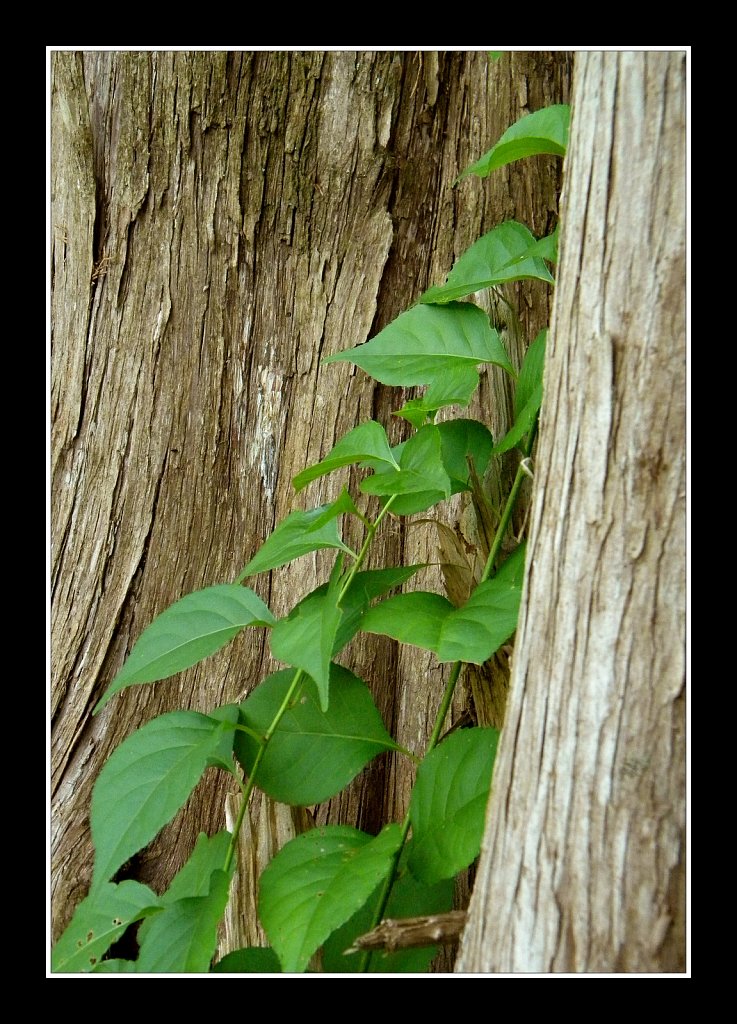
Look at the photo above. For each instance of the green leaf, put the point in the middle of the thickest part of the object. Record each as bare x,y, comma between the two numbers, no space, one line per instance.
182,939
460,440
471,633
148,778
522,424
115,967
188,631
448,804
495,55
454,388
318,628
420,468
368,441
495,258
98,922
409,898
314,753
299,534
249,960
545,131
531,372
426,342
316,882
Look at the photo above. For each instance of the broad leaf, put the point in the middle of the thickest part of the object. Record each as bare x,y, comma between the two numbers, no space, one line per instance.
115,967
249,960
494,259
545,131
147,779
314,753
98,922
448,804
459,441
368,441
188,631
318,881
420,468
318,628
470,633
182,939
522,424
409,898
426,342
299,534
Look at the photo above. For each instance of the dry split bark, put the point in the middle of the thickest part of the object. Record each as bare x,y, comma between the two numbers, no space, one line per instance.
220,222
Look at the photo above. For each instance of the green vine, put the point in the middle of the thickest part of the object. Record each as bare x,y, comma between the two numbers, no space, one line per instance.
305,732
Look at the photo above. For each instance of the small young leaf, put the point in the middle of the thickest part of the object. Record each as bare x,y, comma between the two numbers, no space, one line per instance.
454,388
495,258
367,441
545,131
147,779
448,804
314,753
98,922
470,633
249,960
420,468
182,939
531,372
299,534
409,898
188,631
318,628
425,342
523,422
316,882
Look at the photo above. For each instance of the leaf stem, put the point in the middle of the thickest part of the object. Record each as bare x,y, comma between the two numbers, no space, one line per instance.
509,506
263,744
360,559
450,688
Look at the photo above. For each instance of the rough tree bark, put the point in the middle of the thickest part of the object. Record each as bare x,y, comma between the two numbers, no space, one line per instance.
583,867
220,222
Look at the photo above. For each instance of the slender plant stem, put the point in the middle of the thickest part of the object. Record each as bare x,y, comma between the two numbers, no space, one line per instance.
509,507
265,740
372,527
449,691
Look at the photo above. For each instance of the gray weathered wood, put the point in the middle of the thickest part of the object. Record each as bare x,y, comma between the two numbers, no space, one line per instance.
583,866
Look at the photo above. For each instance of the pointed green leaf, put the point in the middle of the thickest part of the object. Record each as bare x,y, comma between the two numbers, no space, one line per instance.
522,423
409,898
493,259
368,441
316,882
188,631
454,388
478,628
426,342
420,468
314,753
531,372
182,939
249,960
470,633
299,534
459,441
448,804
545,131
147,779
318,628
98,922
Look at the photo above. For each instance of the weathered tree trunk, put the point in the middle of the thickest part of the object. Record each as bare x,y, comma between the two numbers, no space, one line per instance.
583,863
221,221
